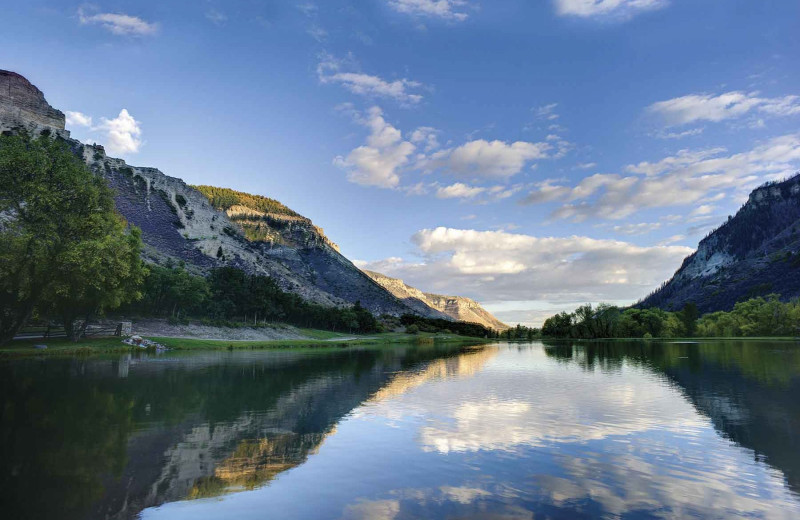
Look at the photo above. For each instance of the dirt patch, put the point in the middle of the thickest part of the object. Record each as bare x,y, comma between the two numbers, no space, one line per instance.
160,328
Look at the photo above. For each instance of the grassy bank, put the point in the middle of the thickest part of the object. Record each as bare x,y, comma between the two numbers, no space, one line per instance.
316,339
675,340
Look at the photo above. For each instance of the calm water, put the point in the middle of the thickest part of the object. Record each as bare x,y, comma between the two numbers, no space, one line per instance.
625,430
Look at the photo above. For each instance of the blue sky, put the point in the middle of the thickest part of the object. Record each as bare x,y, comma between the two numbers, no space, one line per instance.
531,155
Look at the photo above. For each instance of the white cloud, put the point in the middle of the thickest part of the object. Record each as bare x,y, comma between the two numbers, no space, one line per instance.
78,119
426,135
459,191
378,162
330,70
123,133
706,107
503,266
118,23
586,166
607,8
547,112
680,180
444,9
488,159
640,228
680,135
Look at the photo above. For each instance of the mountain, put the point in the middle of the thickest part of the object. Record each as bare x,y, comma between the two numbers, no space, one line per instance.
450,307
756,252
207,227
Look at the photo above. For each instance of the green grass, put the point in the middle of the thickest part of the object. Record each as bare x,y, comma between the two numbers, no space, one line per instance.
317,339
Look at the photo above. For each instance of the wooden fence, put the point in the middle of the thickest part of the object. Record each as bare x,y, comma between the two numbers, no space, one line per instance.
58,331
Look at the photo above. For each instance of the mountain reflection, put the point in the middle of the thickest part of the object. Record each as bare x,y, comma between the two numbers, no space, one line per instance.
747,389
108,438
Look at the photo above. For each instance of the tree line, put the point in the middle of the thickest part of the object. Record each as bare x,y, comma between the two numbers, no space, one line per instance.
229,295
761,316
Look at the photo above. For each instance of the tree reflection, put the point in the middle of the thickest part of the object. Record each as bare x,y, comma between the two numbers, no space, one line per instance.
748,389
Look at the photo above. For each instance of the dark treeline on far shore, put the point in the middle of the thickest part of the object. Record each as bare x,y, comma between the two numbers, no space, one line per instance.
756,317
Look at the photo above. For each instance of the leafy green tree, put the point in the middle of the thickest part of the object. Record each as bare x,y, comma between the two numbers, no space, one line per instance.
57,221
96,274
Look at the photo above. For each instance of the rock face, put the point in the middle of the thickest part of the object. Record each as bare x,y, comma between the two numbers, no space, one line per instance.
756,252
23,105
180,223
449,307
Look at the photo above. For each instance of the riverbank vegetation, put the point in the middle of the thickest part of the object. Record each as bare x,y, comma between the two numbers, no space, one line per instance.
64,250
229,295
756,317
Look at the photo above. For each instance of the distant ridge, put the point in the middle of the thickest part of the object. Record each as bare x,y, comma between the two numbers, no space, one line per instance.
756,252
452,307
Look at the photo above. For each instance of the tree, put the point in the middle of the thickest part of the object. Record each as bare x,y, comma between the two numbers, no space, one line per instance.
688,317
96,274
58,229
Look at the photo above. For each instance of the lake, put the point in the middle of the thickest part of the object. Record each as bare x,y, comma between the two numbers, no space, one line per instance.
534,430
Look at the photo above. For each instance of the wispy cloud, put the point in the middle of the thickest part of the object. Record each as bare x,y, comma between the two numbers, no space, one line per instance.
117,23
715,108
216,17
330,70
683,179
444,9
620,9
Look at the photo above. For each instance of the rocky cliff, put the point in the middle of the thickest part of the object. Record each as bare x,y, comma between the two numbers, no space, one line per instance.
22,105
183,223
754,253
450,307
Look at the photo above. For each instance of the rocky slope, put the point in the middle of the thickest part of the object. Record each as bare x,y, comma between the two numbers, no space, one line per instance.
754,253
182,223
450,307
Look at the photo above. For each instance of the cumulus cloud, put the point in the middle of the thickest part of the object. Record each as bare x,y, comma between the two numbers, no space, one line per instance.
489,159
118,23
121,135
427,137
78,119
492,266
606,8
379,161
730,105
331,70
444,9
680,180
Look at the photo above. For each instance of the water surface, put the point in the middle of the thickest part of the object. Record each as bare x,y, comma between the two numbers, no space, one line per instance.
620,430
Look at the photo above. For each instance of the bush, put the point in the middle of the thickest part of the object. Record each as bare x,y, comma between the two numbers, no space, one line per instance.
412,329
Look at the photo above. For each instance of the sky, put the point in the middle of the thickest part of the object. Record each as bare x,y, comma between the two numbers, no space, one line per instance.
532,155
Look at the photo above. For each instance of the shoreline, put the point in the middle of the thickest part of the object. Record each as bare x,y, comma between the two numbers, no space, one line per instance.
114,345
